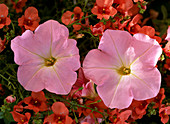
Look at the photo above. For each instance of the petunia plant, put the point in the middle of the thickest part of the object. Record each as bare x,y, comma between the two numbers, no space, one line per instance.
123,68
47,59
84,62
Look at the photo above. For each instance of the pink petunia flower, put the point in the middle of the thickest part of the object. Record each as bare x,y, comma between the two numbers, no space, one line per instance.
123,68
47,59
168,34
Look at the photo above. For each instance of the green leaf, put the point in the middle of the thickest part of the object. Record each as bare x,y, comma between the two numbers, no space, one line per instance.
8,118
163,31
1,115
164,12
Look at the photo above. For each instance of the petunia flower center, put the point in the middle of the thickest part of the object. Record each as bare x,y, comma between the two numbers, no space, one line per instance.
124,71
50,62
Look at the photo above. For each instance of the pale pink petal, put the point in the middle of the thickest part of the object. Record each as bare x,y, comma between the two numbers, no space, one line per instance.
50,34
168,34
57,79
31,77
23,54
146,49
67,51
97,64
40,42
115,92
146,81
115,43
61,78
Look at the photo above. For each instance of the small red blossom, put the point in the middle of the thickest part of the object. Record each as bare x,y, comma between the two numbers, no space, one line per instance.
138,1
20,118
159,98
19,107
119,23
99,105
98,29
148,30
134,10
30,20
68,19
60,115
2,44
124,5
4,20
164,113
104,9
138,109
36,102
10,99
118,117
19,5
141,106
167,64
133,26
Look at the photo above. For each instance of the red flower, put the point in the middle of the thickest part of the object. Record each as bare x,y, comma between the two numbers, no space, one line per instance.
118,117
134,10
98,29
21,119
60,115
4,20
119,24
159,98
133,26
100,106
124,5
138,1
163,113
19,5
30,19
18,107
68,19
36,102
2,44
141,106
167,64
148,30
138,109
104,9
